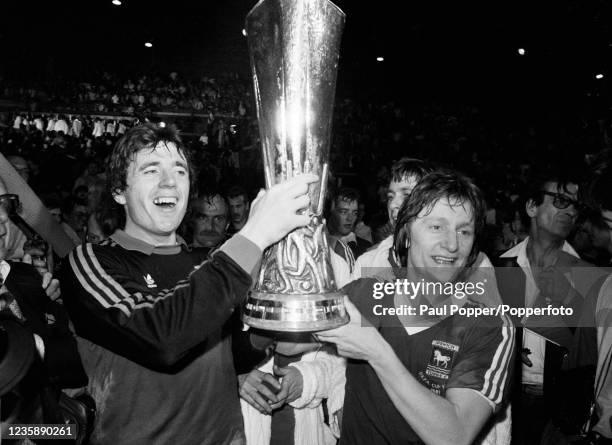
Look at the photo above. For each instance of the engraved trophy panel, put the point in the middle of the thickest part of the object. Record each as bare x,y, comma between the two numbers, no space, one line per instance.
294,48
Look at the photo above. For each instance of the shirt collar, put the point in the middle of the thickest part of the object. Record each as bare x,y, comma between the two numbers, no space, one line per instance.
520,251
130,243
349,237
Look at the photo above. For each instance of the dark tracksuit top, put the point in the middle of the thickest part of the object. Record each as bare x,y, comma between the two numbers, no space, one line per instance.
149,324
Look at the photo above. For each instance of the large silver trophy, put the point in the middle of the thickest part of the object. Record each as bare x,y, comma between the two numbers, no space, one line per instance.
294,47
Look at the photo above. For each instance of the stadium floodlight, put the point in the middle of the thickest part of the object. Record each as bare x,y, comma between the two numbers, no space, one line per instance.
148,44
117,2
380,59
521,51
599,76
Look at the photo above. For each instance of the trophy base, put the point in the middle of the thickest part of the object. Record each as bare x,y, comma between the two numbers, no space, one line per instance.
295,313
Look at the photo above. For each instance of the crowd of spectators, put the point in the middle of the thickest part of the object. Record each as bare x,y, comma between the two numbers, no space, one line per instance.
107,93
82,122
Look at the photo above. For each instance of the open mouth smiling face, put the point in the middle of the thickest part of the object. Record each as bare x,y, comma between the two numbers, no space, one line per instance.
166,202
156,195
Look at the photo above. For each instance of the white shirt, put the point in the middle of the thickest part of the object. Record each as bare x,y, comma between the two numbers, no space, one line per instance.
61,125
377,256
341,269
110,128
38,123
533,375
98,129
77,127
51,125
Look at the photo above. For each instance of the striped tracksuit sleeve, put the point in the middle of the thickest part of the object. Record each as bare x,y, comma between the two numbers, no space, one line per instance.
152,329
487,363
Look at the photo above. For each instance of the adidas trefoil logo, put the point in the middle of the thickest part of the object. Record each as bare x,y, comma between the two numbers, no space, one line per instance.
150,281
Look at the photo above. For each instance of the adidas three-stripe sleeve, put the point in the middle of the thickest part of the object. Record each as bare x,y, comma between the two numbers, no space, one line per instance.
150,327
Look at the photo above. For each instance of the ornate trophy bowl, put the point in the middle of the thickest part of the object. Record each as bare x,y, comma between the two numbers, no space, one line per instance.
294,49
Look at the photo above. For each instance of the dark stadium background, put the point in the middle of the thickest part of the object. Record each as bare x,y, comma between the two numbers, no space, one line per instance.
450,51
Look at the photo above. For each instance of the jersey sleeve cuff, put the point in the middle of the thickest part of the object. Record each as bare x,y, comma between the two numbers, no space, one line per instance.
243,251
490,402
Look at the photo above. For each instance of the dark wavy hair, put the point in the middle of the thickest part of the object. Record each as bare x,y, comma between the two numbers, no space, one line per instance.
347,194
236,191
560,174
440,184
407,167
141,137
208,196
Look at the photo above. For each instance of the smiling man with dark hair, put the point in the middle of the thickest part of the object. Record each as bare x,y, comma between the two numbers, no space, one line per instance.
150,312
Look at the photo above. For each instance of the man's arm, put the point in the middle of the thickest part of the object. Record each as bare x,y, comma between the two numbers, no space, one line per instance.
324,376
455,419
159,330
153,329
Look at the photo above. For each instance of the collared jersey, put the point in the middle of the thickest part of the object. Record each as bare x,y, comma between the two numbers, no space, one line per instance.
456,352
150,325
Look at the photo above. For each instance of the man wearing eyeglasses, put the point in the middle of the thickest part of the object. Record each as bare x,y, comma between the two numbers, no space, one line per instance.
542,273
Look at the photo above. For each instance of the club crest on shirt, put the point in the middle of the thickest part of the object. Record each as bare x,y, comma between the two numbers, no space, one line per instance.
441,359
